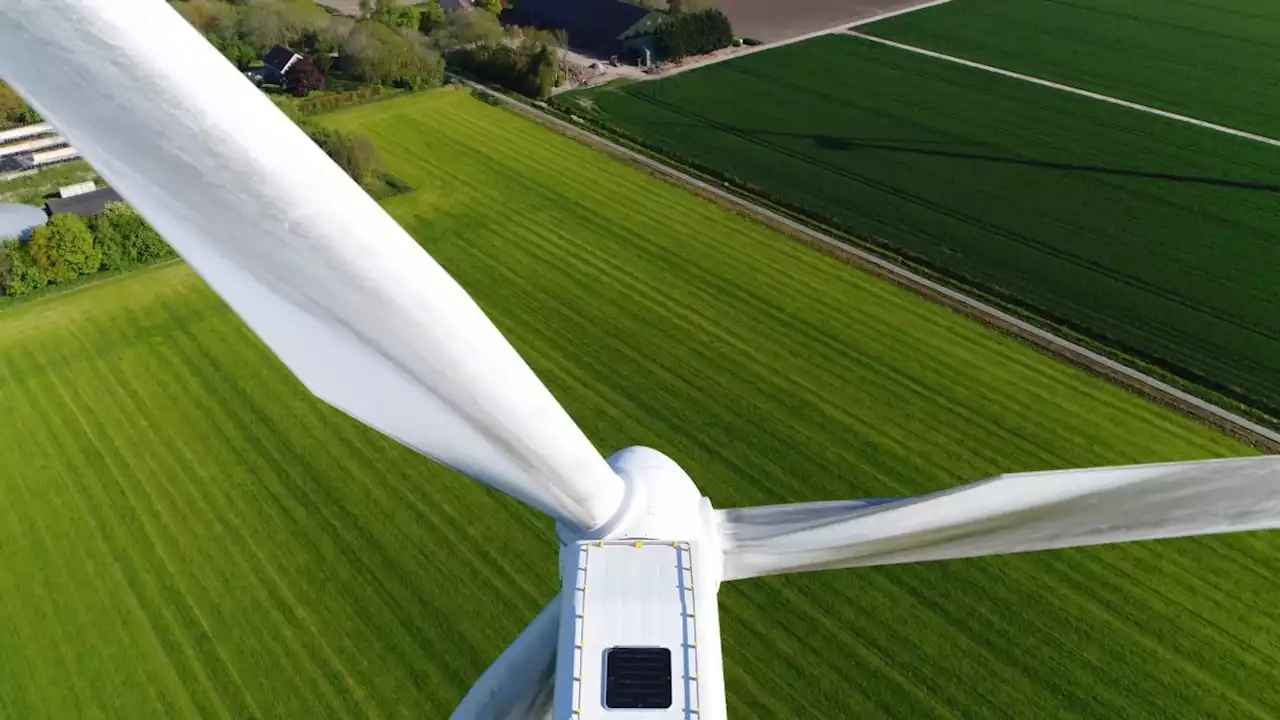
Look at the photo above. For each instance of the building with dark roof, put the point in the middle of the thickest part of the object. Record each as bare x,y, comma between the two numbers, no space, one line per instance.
275,64
86,204
604,28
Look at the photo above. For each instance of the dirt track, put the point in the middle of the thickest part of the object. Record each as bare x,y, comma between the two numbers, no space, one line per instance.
774,20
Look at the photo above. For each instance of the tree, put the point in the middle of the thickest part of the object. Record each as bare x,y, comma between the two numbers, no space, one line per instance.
234,48
125,238
267,23
303,77
493,7
64,248
468,26
21,275
394,15
374,53
210,17
353,153
676,7
431,18
693,33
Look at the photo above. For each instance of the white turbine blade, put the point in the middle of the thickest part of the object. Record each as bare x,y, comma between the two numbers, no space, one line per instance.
1007,514
520,684
318,271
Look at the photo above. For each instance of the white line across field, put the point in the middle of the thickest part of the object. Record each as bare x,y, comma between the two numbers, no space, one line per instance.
895,13
979,307
704,60
1068,88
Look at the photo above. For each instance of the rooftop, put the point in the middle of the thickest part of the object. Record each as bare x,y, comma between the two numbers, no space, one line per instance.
84,205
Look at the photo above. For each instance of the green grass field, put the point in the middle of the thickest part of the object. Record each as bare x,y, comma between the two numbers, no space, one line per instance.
1213,59
1153,236
187,533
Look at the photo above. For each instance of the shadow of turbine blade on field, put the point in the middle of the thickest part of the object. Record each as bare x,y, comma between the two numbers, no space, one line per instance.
836,143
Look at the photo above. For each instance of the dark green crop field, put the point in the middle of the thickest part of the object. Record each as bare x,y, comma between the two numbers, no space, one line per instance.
1153,236
1215,60
186,533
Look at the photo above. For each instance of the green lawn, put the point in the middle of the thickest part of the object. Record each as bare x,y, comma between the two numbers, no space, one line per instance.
1152,236
1215,60
187,533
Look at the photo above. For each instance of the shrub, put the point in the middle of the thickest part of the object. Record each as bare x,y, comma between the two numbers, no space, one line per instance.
64,248
337,100
355,154
19,275
376,54
303,77
125,238
530,68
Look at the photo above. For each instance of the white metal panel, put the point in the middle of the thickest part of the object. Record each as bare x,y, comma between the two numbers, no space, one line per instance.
77,189
27,146
53,156
639,593
25,131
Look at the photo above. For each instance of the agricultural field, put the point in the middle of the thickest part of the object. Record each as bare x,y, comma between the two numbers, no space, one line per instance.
188,534
1215,60
1153,236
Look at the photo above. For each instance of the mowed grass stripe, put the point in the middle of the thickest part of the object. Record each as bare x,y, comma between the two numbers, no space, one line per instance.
377,584
512,256
189,468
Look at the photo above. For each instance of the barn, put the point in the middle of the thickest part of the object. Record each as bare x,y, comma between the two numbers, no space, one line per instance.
603,28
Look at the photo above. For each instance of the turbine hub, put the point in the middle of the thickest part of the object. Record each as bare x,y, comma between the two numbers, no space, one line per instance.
661,501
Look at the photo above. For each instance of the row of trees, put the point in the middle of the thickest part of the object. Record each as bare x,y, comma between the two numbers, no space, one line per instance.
389,44
692,33
67,248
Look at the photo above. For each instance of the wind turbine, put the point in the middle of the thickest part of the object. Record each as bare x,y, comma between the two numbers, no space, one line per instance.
372,325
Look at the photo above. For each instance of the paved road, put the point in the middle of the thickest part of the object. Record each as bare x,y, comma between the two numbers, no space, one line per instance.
1059,344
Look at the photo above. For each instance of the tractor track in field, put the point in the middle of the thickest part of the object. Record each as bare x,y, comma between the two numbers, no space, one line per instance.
1067,88
1135,380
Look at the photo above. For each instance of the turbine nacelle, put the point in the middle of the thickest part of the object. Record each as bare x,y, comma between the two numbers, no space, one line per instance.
639,631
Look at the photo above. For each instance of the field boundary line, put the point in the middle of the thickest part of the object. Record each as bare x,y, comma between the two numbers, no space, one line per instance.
1070,88
1060,346
837,29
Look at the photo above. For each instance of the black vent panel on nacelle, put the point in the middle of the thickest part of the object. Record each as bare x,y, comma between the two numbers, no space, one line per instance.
637,678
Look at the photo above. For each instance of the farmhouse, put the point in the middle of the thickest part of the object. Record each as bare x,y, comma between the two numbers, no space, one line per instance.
604,28
275,64
84,204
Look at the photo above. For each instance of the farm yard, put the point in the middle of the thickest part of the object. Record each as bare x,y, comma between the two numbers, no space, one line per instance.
1153,236
1215,61
188,534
